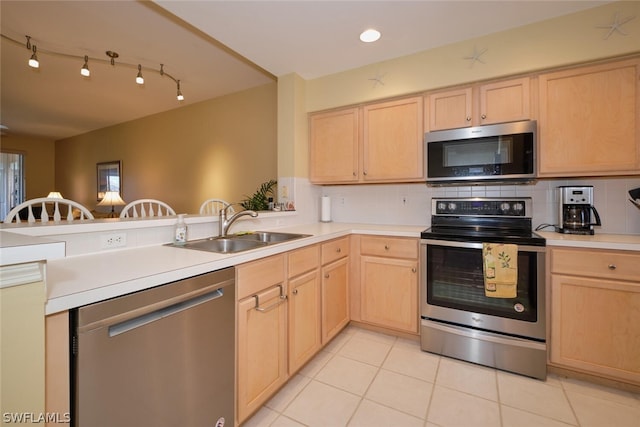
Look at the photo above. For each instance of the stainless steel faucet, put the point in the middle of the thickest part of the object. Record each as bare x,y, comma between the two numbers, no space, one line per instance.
224,223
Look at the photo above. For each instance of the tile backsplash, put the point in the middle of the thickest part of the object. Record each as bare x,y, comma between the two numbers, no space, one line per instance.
411,203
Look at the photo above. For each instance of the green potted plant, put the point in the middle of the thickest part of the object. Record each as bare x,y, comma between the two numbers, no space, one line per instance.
259,201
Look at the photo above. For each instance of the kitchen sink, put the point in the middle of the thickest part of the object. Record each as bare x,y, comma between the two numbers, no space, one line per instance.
241,242
268,236
223,245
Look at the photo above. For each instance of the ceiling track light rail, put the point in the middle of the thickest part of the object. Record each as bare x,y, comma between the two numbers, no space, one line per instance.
84,71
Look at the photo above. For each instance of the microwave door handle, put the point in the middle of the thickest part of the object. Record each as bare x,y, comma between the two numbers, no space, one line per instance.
595,213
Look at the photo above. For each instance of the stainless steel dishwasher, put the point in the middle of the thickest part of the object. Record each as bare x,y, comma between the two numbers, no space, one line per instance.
159,357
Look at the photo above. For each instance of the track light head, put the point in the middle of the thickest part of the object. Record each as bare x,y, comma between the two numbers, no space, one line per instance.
85,68
112,55
139,78
180,97
33,61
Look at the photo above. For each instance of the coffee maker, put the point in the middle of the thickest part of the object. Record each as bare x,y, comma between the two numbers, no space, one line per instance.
575,209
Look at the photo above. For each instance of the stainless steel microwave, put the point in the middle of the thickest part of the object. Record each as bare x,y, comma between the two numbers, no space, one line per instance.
487,154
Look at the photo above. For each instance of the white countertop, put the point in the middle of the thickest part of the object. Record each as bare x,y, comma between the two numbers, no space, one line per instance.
21,249
623,242
81,280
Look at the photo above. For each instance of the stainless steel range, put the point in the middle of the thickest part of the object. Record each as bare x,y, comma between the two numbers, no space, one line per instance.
460,318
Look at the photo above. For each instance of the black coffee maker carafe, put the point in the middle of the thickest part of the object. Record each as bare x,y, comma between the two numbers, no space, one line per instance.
576,210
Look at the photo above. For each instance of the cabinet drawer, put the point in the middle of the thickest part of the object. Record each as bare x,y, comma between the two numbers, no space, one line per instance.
390,247
303,260
608,264
334,250
255,276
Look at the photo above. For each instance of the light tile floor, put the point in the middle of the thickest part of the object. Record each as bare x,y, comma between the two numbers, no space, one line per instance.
368,379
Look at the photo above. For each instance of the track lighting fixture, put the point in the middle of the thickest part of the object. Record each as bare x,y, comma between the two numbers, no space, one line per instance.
84,71
85,68
33,61
180,97
139,78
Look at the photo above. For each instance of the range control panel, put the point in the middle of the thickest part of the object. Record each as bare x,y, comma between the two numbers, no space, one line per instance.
479,207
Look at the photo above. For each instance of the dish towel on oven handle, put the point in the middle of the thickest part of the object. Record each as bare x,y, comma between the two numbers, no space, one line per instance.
500,267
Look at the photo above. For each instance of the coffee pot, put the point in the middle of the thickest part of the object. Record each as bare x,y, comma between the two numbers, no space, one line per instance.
576,211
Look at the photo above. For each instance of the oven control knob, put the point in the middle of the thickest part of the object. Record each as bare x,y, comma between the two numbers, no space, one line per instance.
504,206
452,206
442,206
518,207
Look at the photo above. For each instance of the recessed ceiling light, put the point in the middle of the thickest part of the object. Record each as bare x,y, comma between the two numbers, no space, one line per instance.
370,35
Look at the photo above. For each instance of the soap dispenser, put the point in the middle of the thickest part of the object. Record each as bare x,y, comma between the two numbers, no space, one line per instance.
181,231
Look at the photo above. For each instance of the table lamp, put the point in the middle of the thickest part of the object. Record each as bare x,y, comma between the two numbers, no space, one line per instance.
112,198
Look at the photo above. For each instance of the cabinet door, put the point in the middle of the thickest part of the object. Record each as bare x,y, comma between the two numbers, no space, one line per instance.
595,326
392,141
450,109
334,142
304,319
389,293
335,298
262,349
505,101
590,120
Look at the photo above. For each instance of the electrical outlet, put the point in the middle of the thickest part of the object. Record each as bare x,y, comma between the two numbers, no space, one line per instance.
110,241
285,192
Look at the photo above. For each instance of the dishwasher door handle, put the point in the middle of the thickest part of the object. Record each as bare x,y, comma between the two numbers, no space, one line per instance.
136,322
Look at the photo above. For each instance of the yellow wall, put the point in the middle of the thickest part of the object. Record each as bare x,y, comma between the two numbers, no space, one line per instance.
556,42
38,162
224,147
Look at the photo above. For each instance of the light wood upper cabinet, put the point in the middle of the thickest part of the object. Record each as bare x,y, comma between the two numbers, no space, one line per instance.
589,120
497,102
505,101
334,146
379,142
393,141
450,109
595,312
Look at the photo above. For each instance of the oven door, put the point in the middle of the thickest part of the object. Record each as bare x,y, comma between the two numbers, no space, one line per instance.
453,289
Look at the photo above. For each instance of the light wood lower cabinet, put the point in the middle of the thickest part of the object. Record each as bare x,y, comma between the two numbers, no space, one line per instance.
304,306
335,287
595,312
261,333
389,282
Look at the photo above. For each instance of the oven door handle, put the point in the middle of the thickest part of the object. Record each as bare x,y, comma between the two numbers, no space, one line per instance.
475,245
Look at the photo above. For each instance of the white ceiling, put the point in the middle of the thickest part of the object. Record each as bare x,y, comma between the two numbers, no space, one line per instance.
213,47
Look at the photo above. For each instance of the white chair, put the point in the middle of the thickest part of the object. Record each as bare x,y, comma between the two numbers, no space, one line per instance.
41,204
214,206
142,208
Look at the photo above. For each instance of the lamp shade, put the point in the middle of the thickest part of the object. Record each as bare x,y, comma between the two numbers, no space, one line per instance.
54,195
111,198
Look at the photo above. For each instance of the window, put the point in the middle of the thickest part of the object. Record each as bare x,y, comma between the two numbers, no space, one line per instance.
11,182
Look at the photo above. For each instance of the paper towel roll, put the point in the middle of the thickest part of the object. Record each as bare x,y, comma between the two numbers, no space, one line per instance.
325,211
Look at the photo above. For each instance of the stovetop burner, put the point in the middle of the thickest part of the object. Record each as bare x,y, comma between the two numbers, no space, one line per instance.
499,220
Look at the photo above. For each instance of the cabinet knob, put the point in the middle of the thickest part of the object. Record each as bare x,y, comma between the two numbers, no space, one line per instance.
413,270
386,247
339,250
355,173
468,118
364,173
484,116
611,266
326,276
295,292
